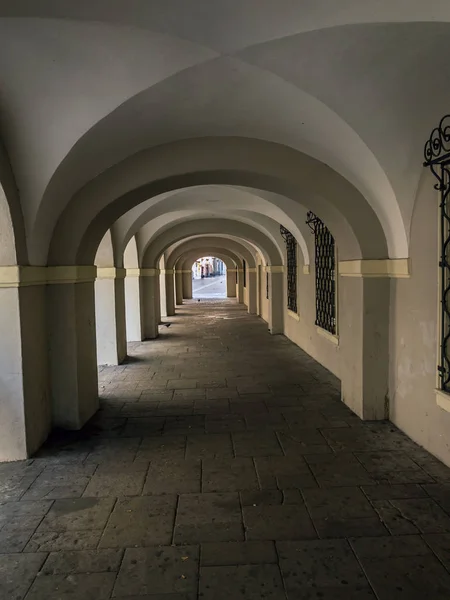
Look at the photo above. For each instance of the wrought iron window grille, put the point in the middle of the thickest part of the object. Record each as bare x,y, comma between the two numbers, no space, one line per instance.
437,159
325,266
291,250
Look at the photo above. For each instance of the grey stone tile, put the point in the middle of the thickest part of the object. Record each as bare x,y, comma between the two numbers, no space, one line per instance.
338,503
142,521
278,522
297,441
232,475
165,448
225,423
77,514
256,444
384,547
17,572
207,518
163,570
209,446
325,565
282,472
393,519
338,470
392,492
238,553
114,484
54,541
173,477
79,561
14,541
267,497
245,582
440,544
185,424
426,515
441,493
412,577
89,586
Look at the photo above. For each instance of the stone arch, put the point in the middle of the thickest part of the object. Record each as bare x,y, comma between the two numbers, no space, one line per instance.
226,161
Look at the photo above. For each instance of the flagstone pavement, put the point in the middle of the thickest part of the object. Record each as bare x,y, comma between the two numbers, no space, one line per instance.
222,465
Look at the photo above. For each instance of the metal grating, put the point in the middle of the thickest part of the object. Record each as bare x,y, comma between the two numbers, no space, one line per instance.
437,158
291,250
325,267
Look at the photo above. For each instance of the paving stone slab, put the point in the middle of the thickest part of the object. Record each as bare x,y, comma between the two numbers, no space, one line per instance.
393,518
114,484
79,561
426,514
395,491
141,521
163,570
320,564
53,541
17,572
245,582
232,475
238,553
164,448
88,586
283,522
209,446
440,544
77,514
338,470
256,444
208,518
284,472
412,577
173,477
14,541
384,547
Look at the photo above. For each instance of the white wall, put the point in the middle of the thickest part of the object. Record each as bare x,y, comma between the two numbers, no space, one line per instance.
414,334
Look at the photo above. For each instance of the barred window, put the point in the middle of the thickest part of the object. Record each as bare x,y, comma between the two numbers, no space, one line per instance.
291,250
437,158
325,263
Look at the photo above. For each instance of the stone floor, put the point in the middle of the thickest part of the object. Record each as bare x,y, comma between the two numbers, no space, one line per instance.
222,466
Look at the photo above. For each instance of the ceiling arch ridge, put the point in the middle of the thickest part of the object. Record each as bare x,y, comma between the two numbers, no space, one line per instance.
257,19
238,251
241,246
155,249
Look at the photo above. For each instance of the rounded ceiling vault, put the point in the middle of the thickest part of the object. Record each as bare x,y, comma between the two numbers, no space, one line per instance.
96,95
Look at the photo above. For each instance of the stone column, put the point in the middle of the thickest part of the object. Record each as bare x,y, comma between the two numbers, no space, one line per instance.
276,308
231,283
162,295
252,290
72,343
240,286
133,308
150,303
187,284
179,287
110,316
170,292
25,411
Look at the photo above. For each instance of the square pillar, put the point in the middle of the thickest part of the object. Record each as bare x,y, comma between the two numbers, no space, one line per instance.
25,413
276,307
252,290
72,342
179,287
110,316
231,283
187,284
170,292
150,303
133,308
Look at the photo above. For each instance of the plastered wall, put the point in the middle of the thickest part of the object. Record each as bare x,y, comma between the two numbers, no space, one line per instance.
414,333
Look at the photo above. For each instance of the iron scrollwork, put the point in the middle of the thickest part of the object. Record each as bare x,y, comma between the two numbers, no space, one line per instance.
291,250
325,263
437,159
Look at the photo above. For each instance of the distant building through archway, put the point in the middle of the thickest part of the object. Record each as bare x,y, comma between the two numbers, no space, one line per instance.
209,278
